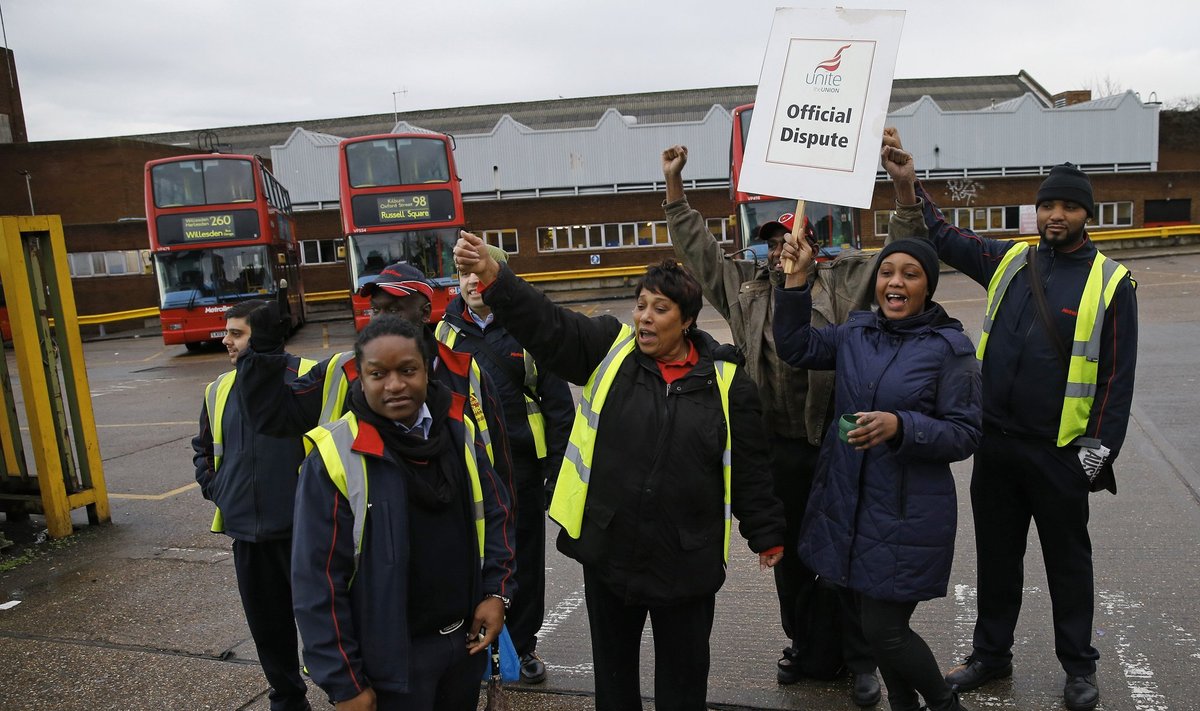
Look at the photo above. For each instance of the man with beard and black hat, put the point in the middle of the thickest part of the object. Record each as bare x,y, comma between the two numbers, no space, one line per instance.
796,410
1058,353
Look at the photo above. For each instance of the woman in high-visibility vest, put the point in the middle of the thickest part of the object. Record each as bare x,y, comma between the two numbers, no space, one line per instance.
402,559
882,514
668,443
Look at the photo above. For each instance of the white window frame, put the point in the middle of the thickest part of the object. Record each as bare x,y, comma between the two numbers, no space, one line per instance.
612,235
1108,214
505,239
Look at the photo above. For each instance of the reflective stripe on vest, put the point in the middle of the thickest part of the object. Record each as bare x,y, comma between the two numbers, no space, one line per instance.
449,334
570,493
333,396
347,470
1103,279
215,397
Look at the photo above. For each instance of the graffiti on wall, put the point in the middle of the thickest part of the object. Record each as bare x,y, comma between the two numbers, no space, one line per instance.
963,189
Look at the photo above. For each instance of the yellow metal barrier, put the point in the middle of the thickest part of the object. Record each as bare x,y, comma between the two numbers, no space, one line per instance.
58,402
98,319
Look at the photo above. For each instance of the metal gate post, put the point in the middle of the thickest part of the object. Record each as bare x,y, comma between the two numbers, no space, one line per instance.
53,377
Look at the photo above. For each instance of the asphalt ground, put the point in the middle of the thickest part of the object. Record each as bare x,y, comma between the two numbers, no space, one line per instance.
144,613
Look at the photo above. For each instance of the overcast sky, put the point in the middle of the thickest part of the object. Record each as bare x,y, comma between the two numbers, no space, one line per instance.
92,68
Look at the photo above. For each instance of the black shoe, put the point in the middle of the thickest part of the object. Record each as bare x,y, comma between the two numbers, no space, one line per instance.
533,669
787,668
1081,693
866,691
973,673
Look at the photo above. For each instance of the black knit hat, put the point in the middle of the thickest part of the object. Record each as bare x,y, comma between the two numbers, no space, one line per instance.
1066,182
919,249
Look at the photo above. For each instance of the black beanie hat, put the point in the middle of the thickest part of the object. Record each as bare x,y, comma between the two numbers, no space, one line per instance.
1066,182
922,251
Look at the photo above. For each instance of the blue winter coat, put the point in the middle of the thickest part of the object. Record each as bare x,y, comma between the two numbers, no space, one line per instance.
882,521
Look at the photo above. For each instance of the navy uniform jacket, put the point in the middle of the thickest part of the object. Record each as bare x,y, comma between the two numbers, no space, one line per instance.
256,484
1024,377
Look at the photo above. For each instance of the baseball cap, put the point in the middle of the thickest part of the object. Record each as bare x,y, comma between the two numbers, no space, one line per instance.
786,221
400,279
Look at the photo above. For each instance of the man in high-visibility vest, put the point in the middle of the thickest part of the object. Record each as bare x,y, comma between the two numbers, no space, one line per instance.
1058,352
538,413
251,477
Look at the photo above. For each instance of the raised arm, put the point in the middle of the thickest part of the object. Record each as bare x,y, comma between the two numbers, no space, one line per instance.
564,341
720,277
975,256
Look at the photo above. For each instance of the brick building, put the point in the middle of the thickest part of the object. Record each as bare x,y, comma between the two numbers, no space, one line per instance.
533,168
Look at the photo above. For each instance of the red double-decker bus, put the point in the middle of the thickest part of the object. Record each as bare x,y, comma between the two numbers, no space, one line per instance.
401,202
836,226
221,231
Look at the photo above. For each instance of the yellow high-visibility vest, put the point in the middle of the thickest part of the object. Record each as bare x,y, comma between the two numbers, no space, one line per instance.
1098,291
533,412
570,493
347,470
216,394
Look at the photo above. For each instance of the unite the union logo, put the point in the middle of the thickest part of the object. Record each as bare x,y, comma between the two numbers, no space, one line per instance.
825,76
832,64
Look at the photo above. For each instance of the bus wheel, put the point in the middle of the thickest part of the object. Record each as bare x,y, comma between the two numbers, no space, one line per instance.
194,346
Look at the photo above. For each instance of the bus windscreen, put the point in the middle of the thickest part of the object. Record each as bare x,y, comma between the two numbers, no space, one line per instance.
397,161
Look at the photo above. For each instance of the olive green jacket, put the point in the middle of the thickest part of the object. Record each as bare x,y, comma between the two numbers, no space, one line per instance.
796,402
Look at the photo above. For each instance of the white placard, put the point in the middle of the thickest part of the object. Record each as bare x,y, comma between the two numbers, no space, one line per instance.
822,104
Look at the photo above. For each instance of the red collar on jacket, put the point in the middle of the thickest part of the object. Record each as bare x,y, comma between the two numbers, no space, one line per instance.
459,363
368,440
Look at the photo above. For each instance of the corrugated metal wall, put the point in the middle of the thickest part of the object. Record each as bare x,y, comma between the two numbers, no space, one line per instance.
618,154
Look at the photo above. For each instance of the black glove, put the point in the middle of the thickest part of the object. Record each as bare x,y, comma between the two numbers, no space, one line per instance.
267,331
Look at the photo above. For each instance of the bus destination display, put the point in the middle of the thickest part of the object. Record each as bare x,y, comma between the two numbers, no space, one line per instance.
395,209
199,227
208,227
413,207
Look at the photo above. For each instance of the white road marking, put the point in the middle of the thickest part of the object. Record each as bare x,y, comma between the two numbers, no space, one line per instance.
1139,676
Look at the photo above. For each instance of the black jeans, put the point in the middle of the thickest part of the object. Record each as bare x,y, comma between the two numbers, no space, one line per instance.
265,584
681,655
1015,481
443,676
905,661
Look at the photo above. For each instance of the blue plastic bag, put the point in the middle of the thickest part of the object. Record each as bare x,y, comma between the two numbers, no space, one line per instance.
510,663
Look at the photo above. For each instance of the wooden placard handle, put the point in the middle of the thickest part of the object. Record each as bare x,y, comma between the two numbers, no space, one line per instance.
789,265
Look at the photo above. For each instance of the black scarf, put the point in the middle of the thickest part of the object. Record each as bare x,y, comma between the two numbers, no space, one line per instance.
429,463
933,316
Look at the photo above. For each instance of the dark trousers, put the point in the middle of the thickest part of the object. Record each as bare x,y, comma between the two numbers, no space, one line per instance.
681,659
907,665
1015,481
443,677
793,462
524,619
265,584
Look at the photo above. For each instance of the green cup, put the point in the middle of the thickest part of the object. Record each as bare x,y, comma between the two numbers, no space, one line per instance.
846,423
